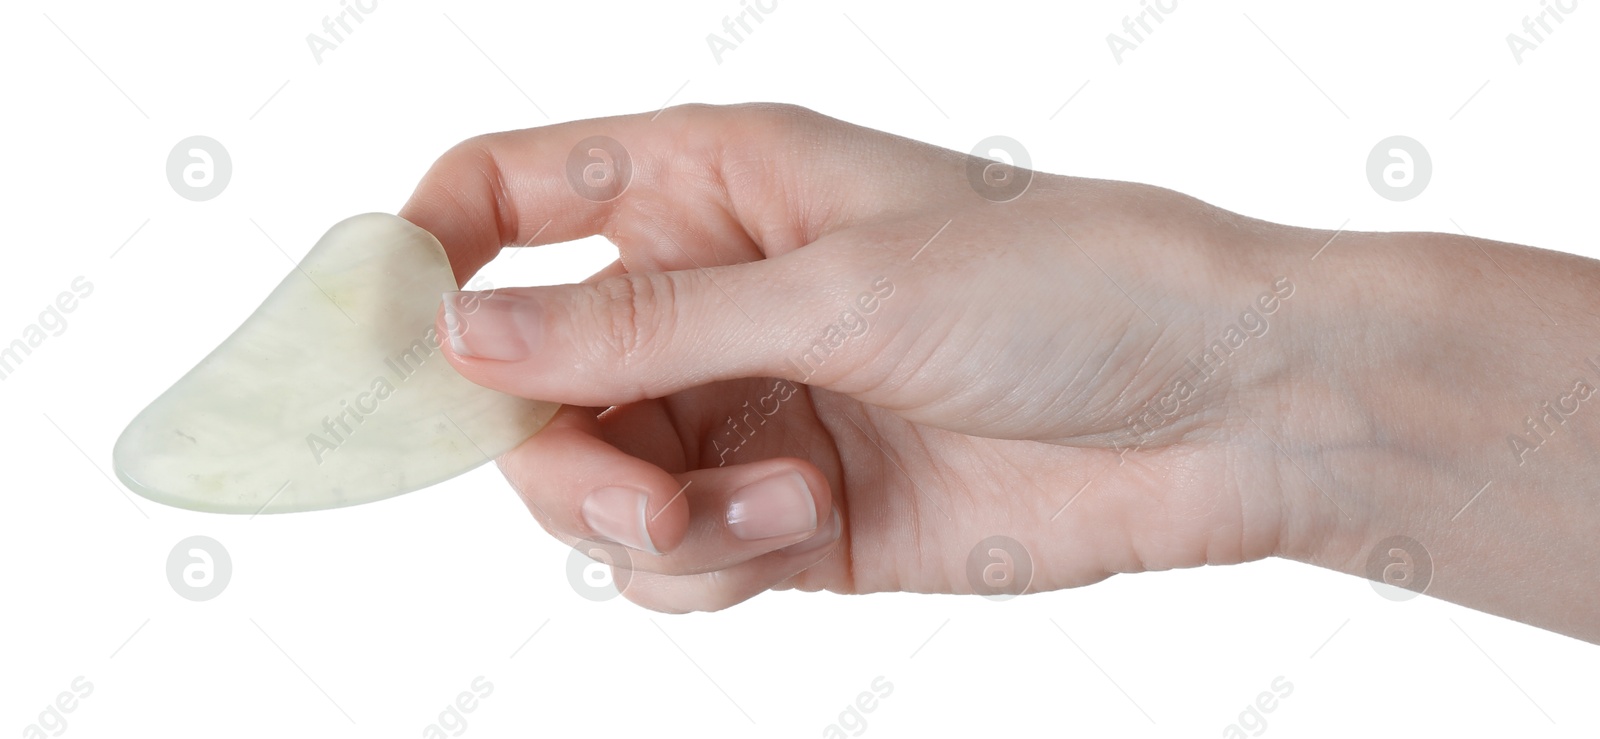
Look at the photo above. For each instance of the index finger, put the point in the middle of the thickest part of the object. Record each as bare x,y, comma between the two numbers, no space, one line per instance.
672,189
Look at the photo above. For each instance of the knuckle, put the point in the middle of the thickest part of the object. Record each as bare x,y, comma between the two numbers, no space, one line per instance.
788,112
467,177
691,109
740,112
633,312
772,123
469,155
758,125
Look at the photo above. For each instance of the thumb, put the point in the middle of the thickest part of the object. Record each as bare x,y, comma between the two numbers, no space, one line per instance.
646,335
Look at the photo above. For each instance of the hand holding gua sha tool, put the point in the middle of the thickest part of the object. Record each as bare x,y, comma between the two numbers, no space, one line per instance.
333,393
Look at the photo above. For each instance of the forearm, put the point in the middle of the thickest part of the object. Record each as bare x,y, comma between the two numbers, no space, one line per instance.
1447,390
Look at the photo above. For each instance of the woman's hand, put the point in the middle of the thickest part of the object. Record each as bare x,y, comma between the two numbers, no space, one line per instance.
832,361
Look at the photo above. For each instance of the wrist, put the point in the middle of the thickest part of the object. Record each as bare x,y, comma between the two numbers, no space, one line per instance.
1439,407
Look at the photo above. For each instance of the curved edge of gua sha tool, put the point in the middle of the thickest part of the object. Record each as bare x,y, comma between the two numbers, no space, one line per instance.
332,393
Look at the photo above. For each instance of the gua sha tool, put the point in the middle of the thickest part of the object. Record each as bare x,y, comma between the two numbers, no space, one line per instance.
333,393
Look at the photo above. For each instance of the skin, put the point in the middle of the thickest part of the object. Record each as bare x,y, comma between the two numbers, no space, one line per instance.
1005,386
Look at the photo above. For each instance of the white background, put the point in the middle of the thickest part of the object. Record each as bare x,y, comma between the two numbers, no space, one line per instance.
369,621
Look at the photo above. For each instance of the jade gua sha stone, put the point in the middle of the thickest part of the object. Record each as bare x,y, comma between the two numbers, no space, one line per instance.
333,393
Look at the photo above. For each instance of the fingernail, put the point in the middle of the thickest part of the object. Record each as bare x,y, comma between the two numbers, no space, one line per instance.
489,326
618,514
780,505
828,534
